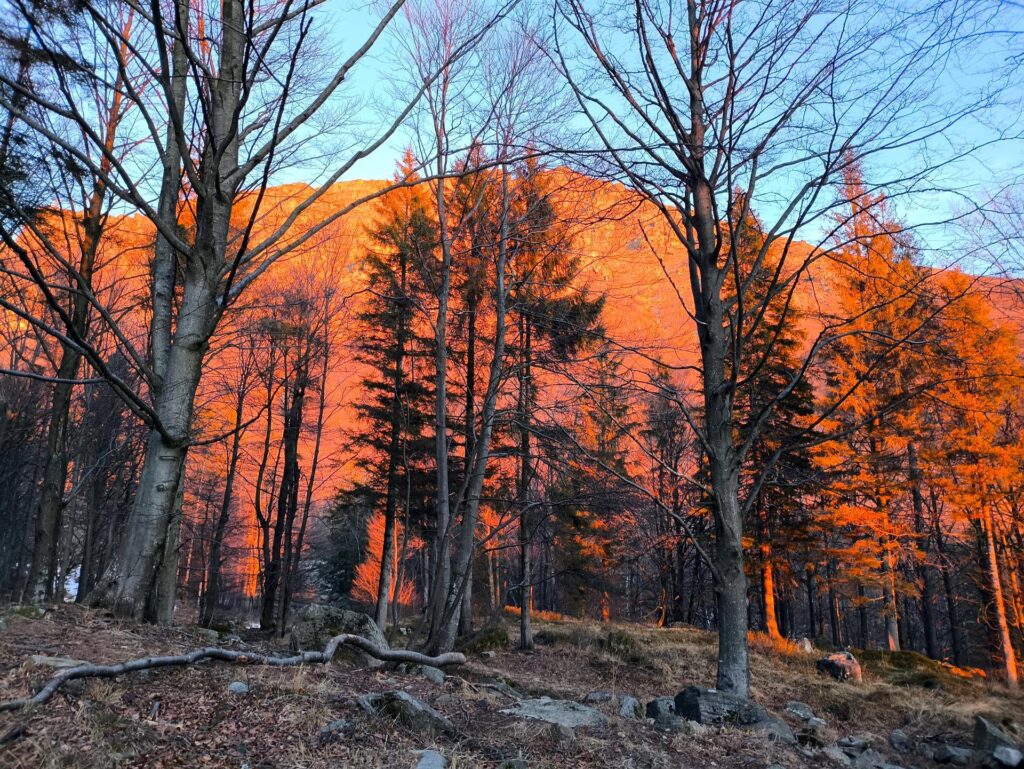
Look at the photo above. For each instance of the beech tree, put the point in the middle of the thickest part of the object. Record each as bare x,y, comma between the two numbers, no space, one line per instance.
692,99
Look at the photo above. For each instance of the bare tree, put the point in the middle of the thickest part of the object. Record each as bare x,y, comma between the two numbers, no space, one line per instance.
709,107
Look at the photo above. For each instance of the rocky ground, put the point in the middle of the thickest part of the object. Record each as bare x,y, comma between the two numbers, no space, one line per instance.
590,695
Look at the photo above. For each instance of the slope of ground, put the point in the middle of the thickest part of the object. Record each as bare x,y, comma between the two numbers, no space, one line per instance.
187,717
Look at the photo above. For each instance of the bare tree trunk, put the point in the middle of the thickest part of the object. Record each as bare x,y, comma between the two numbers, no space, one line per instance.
924,571
1002,625
211,595
526,585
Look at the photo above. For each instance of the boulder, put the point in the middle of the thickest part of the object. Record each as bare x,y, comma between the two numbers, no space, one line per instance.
319,623
431,759
561,712
988,736
415,714
800,710
842,666
710,706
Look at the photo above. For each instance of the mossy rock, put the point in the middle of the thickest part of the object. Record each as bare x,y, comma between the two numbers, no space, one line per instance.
489,639
319,623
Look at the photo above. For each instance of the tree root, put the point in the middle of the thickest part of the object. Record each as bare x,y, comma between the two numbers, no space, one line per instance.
227,655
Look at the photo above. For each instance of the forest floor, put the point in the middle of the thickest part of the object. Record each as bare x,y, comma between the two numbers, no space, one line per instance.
186,717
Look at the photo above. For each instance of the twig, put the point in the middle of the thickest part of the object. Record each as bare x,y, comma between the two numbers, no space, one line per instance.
227,655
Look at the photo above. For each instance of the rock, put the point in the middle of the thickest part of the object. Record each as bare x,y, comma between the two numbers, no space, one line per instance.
432,674
58,663
662,707
774,729
951,754
869,759
988,736
805,645
238,687
415,714
710,706
563,712
813,733
561,734
319,623
514,763
837,756
842,666
209,635
926,750
900,742
333,731
852,745
629,707
431,759
801,710
488,655
1005,755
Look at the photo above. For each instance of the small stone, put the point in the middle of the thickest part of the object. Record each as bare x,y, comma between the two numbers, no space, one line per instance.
775,730
238,687
662,707
1005,755
629,707
869,759
852,745
801,710
805,645
432,674
813,733
561,734
595,698
333,731
209,635
488,655
926,750
837,756
431,759
900,742
514,763
951,754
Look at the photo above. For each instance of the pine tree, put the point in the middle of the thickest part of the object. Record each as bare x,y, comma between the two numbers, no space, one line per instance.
396,409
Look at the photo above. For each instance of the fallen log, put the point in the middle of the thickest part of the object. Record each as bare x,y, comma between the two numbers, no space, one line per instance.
228,655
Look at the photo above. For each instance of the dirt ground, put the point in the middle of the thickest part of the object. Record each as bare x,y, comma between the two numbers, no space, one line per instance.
186,717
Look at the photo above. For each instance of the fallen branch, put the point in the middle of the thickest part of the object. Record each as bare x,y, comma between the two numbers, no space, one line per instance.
227,655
